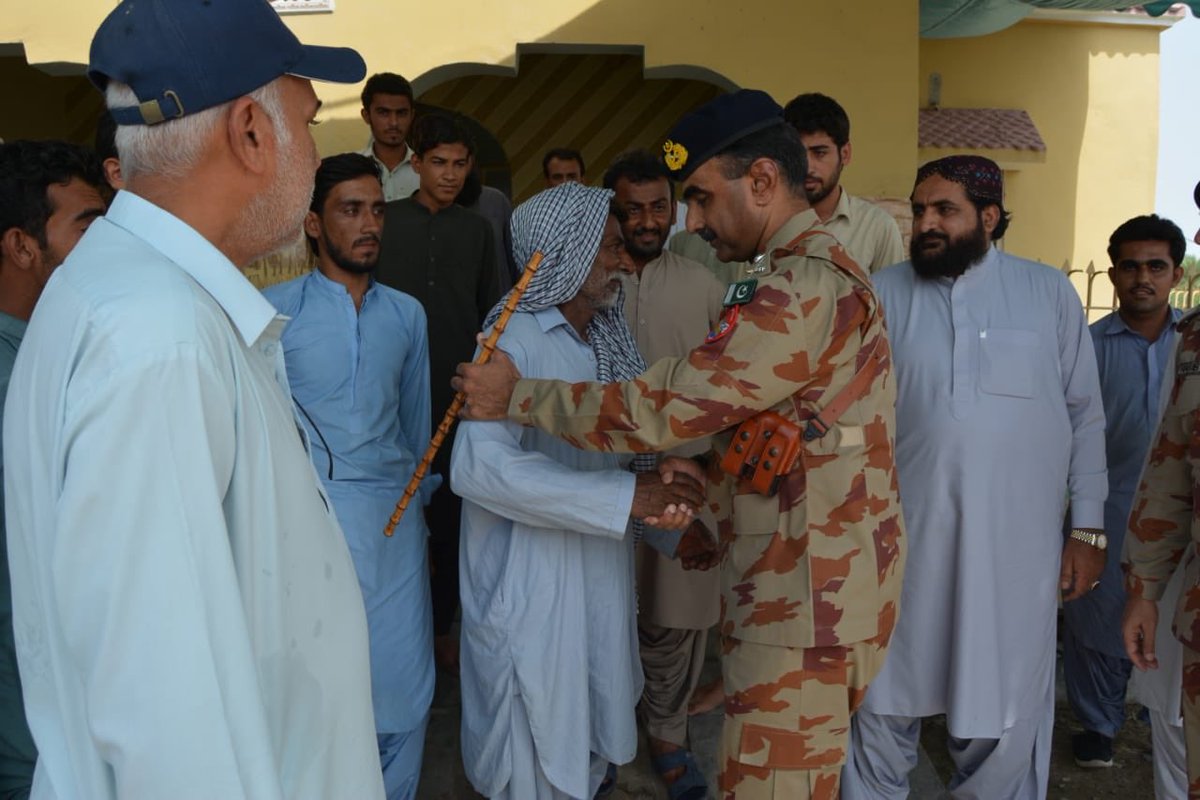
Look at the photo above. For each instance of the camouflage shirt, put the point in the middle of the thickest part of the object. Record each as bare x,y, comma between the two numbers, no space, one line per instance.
1165,518
819,564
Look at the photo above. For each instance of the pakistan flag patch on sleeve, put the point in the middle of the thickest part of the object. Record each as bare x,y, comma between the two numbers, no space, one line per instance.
740,293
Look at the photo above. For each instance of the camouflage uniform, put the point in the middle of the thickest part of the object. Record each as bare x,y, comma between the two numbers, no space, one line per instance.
1164,526
811,577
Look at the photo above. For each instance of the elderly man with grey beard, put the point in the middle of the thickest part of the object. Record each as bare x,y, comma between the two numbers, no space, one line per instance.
550,671
187,618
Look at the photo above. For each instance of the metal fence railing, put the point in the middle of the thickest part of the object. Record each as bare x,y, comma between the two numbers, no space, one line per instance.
1096,290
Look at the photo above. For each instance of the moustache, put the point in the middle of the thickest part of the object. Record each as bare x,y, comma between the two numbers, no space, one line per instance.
368,239
657,231
930,236
707,234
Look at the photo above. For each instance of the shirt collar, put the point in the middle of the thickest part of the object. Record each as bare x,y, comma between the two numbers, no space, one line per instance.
369,151
550,318
1115,325
12,327
245,306
791,229
327,284
842,209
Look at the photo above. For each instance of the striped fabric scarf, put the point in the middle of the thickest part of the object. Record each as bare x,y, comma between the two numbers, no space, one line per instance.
566,223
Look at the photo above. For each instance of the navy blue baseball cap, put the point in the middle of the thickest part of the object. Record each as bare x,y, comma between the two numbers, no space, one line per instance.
183,56
715,126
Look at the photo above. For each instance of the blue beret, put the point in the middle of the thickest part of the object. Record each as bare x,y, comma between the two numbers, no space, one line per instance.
715,126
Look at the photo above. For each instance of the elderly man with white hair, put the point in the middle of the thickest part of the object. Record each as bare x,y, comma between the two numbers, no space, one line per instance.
187,618
550,668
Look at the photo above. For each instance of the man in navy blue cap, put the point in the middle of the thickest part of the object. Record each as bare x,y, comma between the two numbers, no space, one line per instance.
187,618
814,544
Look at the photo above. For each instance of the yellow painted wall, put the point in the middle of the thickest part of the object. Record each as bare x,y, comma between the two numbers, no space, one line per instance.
1092,91
863,53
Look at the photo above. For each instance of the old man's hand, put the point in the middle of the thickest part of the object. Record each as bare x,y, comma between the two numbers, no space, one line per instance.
666,505
488,387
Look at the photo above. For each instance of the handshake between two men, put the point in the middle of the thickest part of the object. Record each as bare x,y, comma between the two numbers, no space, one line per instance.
670,498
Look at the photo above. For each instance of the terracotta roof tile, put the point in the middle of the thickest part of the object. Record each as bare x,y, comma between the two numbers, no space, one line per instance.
989,128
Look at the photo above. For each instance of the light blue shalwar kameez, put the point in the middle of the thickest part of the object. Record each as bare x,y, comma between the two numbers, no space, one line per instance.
361,381
998,421
550,669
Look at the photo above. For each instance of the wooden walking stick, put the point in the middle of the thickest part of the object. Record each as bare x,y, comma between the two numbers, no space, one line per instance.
484,356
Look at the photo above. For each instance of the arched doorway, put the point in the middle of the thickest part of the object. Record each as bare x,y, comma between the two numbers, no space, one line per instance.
600,101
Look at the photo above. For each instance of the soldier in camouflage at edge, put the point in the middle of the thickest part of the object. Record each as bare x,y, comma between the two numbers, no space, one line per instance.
810,576
1164,528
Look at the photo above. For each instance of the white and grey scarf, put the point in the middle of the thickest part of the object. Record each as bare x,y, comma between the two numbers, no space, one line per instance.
566,223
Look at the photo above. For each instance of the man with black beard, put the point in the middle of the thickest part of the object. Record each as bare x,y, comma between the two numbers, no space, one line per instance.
868,232
671,303
358,363
999,421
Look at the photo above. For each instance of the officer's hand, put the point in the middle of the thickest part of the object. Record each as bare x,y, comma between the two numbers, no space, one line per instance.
698,548
1081,568
666,505
488,387
671,465
1137,629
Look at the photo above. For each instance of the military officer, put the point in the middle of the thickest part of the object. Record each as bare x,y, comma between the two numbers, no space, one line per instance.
811,571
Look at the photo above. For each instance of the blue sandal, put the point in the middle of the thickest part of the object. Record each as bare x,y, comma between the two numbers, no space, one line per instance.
688,786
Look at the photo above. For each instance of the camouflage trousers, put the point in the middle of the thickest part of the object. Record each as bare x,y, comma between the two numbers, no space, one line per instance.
787,717
1191,718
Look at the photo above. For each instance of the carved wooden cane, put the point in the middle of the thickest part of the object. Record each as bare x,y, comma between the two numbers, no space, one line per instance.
484,356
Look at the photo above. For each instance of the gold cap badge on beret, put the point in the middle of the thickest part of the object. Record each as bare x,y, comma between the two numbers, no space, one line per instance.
674,155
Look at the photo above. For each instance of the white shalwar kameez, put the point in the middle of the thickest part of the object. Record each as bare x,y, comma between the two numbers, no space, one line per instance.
999,421
550,668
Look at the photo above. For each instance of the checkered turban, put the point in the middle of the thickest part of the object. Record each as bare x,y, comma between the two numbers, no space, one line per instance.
566,223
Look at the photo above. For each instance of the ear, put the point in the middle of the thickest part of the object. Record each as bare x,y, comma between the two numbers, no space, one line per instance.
112,173
764,180
366,115
251,137
1176,276
846,153
416,163
674,210
312,225
991,218
1112,273
19,249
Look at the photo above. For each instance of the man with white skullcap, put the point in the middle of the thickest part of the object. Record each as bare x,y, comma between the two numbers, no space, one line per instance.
550,669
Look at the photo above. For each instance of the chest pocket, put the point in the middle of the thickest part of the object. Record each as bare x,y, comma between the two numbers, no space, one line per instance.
1008,361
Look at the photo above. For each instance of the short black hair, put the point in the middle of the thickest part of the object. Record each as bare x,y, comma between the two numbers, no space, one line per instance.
385,83
334,170
105,143
438,128
981,203
637,166
562,154
1148,228
817,113
27,169
780,143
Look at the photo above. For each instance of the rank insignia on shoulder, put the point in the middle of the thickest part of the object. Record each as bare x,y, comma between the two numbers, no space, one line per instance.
740,293
1188,368
727,323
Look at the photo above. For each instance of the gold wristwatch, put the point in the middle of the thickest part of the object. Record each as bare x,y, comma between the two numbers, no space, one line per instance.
1097,540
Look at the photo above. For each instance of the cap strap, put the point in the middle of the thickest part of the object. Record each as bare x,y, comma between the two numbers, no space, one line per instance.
150,112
